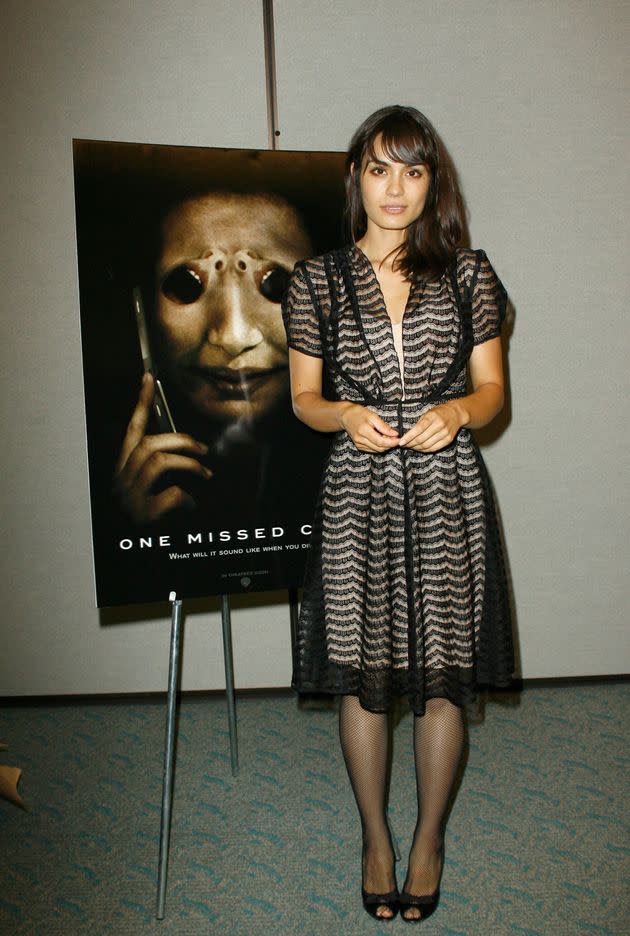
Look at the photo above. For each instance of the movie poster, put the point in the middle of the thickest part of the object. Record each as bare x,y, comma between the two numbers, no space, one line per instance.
202,480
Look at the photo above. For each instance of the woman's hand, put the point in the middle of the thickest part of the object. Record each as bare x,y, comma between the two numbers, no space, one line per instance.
435,429
367,430
144,460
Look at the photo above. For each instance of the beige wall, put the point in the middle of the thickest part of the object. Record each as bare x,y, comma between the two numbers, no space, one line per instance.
531,100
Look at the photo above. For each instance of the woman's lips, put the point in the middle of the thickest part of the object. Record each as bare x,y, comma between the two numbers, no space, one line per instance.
394,209
237,383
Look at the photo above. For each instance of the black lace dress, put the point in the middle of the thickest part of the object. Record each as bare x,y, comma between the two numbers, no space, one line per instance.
405,588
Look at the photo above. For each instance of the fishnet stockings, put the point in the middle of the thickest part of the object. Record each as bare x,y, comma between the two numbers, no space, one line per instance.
438,740
438,744
364,742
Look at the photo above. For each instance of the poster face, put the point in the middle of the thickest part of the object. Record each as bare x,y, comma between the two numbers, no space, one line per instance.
202,480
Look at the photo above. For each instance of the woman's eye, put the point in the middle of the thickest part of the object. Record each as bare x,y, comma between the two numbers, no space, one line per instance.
273,283
182,285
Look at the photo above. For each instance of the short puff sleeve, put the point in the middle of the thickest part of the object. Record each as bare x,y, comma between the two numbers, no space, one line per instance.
488,300
301,321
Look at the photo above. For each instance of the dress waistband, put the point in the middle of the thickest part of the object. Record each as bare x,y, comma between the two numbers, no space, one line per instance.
411,401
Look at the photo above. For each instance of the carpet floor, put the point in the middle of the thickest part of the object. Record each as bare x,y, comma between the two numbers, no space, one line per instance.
537,841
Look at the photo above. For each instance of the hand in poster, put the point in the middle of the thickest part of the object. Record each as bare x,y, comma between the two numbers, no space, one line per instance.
144,461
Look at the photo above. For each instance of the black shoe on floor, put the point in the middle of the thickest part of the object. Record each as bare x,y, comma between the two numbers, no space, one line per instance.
426,903
372,902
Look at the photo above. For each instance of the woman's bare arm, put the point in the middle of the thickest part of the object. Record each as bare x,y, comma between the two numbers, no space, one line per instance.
480,407
366,429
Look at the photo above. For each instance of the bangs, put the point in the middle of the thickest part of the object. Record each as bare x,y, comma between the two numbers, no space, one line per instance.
402,140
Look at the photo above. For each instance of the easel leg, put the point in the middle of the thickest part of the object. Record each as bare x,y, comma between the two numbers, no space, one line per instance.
229,679
169,753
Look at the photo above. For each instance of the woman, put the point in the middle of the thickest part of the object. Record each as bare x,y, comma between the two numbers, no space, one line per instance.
405,590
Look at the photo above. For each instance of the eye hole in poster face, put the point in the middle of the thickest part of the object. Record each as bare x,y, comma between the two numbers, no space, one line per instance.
273,283
182,285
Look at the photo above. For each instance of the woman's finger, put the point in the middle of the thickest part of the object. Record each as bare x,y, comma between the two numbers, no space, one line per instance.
375,441
427,429
425,421
438,441
380,425
430,434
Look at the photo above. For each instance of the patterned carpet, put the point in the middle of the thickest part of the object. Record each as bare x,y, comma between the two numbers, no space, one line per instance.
537,842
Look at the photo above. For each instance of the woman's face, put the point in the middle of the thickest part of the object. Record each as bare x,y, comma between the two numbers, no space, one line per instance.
223,269
393,193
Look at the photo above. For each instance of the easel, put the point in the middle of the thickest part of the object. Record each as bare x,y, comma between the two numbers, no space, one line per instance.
169,742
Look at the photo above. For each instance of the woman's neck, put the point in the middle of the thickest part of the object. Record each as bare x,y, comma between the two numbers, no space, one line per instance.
377,244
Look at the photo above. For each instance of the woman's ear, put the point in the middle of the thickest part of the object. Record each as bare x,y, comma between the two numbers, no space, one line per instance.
352,169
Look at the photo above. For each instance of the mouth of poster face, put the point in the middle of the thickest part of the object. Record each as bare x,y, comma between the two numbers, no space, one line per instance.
235,383
226,392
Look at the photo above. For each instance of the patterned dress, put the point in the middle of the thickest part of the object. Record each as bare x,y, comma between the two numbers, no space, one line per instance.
405,588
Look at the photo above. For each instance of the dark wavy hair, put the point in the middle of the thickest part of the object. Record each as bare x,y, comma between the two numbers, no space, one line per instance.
407,136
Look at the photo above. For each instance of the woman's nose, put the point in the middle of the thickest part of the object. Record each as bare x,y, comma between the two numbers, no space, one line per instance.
232,324
394,184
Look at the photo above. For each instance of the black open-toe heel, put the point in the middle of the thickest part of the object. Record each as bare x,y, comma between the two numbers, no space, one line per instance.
426,903
372,902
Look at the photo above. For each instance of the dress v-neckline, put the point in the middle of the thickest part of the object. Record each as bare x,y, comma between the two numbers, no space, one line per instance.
396,330
366,260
